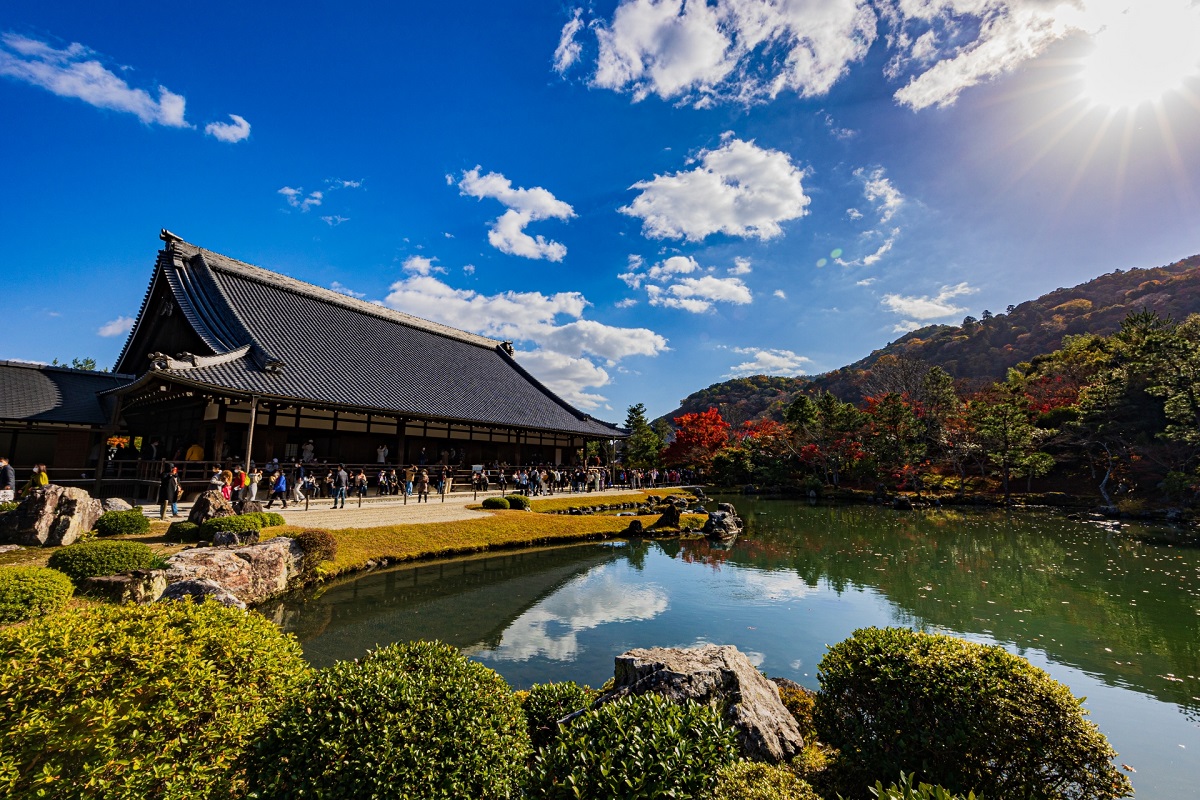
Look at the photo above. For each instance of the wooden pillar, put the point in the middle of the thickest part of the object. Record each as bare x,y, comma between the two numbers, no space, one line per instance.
250,433
219,433
401,441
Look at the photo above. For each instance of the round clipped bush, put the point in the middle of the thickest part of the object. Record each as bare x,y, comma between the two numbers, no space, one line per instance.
28,592
183,532
237,523
122,523
962,715
89,559
751,780
636,746
411,720
518,501
318,546
270,519
138,701
547,703
496,503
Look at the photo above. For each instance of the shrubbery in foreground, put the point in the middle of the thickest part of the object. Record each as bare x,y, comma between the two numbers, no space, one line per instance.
547,703
122,523
318,546
642,746
518,502
963,715
750,780
412,720
138,701
28,592
89,559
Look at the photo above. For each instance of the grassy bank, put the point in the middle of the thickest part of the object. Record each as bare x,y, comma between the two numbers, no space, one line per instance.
357,546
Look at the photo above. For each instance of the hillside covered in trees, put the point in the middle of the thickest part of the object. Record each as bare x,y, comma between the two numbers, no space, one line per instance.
977,352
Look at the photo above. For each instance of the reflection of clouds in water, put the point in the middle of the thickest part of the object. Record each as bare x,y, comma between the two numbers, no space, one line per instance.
589,601
774,585
756,658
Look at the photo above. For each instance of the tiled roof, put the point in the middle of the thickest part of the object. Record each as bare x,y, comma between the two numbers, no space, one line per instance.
40,393
337,350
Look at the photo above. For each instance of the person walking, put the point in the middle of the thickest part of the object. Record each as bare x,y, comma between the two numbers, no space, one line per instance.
169,492
255,477
8,481
410,475
278,489
341,483
423,486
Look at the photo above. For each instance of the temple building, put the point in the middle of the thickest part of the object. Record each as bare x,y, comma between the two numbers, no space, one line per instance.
233,362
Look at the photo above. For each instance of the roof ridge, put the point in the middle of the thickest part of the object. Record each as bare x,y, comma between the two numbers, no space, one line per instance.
287,283
12,362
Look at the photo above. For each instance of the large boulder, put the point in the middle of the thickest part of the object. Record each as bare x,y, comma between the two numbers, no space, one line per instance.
252,507
251,574
139,586
210,505
199,589
719,676
723,525
51,516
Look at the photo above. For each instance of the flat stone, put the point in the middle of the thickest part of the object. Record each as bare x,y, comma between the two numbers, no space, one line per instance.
115,504
198,589
139,586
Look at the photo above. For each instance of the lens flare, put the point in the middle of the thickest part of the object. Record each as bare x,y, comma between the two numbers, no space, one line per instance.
1143,50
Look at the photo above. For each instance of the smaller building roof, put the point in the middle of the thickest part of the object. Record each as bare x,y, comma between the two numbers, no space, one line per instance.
51,394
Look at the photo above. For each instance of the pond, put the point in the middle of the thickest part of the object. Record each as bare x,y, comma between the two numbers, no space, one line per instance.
1111,610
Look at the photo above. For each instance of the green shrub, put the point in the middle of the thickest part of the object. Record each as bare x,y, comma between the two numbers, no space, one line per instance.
496,503
318,546
122,523
905,790
412,720
183,532
28,592
138,701
518,501
238,523
548,703
641,746
272,519
751,780
89,559
7,507
966,716
800,704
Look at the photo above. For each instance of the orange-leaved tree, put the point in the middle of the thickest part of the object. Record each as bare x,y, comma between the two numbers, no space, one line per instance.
698,437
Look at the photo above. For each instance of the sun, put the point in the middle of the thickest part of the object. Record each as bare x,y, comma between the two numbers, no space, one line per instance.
1143,50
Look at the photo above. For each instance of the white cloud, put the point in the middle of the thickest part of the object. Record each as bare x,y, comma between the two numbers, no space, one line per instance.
675,265
921,309
507,233
75,71
296,199
346,290
235,131
741,50
741,266
420,265
568,50
739,189
553,324
854,213
117,327
780,293
769,362
342,183
468,269
866,281
627,302
334,220
697,295
879,190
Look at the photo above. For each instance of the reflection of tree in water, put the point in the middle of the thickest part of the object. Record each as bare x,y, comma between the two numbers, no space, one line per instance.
1107,603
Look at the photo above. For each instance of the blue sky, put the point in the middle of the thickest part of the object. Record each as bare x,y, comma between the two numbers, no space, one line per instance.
647,196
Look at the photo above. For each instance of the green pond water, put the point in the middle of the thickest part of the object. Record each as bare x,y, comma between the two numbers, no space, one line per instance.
1113,611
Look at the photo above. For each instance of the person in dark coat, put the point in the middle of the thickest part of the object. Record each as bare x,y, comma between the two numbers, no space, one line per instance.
168,492
8,481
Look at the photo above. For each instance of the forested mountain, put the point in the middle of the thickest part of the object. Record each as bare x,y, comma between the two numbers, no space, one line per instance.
980,350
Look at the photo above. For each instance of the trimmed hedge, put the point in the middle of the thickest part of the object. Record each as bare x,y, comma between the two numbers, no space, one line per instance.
963,715
89,559
182,532
518,501
411,720
269,519
318,546
122,523
547,703
751,780
238,523
28,592
138,701
499,503
641,746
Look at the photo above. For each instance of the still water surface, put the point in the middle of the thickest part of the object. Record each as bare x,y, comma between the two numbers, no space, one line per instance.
1113,611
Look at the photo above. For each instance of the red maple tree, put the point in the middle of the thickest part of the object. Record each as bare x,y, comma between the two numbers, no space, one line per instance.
698,437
